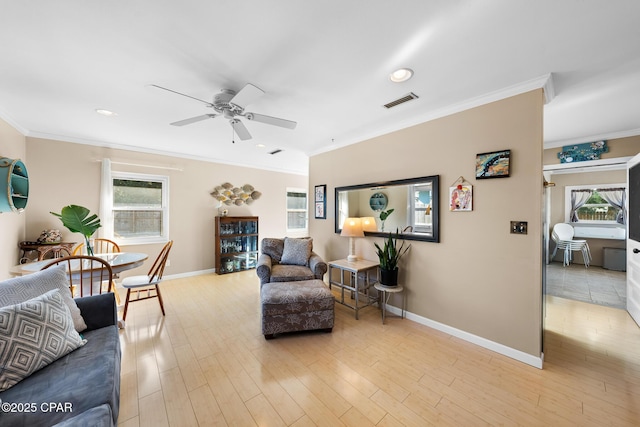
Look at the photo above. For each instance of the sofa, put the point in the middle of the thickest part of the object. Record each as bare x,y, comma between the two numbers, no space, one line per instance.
289,259
80,388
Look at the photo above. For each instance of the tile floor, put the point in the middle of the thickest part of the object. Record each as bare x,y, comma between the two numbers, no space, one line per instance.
593,285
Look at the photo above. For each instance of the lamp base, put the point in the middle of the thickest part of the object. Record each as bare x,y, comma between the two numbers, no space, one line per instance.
352,258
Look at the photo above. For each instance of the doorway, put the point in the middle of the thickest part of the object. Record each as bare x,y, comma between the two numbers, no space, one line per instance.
595,284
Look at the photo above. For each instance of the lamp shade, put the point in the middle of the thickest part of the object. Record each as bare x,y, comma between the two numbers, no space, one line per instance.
369,223
352,227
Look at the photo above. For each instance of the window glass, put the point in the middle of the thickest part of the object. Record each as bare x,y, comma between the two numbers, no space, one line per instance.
421,219
296,209
140,208
597,209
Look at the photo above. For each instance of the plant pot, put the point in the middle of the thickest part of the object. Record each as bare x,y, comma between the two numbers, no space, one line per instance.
389,277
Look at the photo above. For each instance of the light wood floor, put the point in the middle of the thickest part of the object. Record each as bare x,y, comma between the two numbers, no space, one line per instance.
206,363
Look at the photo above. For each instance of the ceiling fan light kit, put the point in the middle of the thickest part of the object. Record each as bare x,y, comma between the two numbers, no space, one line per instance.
231,105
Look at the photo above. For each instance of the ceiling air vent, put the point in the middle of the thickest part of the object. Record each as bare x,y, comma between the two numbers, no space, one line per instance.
275,151
408,97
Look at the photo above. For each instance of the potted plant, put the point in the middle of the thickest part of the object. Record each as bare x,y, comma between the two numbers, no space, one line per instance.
383,217
78,220
389,256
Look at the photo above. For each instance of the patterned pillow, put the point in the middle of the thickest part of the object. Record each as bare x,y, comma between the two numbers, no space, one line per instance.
20,289
273,248
296,251
34,334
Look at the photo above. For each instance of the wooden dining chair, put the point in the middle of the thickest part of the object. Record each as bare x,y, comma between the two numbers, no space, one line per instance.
84,273
56,251
148,284
100,246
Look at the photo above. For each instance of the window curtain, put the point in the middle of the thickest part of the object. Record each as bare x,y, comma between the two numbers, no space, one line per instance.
106,201
616,197
578,199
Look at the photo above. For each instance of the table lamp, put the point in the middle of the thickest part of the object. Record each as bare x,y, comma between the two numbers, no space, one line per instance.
369,223
351,228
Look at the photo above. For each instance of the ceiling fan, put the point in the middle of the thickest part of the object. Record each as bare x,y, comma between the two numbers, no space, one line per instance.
231,105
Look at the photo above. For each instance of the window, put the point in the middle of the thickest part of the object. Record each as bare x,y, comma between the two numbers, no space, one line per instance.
297,209
139,208
599,204
420,212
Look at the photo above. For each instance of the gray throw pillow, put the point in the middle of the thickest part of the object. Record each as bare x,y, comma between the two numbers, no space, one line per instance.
34,334
21,289
273,248
296,251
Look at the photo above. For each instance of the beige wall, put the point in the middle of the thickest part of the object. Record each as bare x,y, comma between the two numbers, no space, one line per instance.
480,279
12,225
64,173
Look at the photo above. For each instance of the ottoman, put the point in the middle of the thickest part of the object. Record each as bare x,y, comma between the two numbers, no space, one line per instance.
296,306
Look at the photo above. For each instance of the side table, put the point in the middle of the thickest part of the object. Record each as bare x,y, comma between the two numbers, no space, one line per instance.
359,281
386,294
44,248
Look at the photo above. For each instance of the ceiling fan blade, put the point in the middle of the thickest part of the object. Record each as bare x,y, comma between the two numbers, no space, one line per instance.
178,93
240,129
247,95
193,120
271,120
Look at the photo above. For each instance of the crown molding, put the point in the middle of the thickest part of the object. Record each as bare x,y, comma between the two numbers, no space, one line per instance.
544,82
592,138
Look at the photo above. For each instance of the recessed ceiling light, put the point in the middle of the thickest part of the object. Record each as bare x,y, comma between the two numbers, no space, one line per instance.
260,145
401,75
105,112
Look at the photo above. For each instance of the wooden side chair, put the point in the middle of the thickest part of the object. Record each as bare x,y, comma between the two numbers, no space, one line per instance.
56,251
102,246
86,274
148,284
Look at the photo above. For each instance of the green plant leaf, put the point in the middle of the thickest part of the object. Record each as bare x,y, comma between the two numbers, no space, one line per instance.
78,220
385,214
389,255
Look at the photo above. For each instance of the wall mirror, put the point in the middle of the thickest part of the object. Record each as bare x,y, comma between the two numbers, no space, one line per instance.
415,204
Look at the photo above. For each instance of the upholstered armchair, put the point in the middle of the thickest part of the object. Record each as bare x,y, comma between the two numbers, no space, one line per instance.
289,260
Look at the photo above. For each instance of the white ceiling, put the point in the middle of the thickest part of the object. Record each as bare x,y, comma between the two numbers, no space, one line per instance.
323,64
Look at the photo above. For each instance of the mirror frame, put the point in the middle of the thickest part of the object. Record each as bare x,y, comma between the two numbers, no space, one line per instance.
435,206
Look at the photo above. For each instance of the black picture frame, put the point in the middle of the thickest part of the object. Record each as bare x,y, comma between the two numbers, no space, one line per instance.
320,201
494,164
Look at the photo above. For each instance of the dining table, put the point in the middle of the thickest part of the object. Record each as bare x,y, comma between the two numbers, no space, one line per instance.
119,262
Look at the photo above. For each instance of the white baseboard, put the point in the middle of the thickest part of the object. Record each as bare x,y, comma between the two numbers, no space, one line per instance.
474,339
189,274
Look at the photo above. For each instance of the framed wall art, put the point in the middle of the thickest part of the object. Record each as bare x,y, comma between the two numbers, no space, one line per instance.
320,201
493,165
461,196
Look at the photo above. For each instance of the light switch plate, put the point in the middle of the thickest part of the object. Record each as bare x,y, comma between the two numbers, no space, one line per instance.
518,227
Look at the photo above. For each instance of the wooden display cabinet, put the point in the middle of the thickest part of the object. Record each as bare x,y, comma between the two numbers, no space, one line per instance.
236,243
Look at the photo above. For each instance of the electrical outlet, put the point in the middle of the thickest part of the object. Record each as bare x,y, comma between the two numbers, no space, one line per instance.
168,262
518,227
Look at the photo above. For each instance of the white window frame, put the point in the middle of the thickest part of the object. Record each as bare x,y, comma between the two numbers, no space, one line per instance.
164,237
304,230
411,211
567,202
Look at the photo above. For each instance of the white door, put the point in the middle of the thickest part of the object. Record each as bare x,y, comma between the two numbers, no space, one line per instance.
633,238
